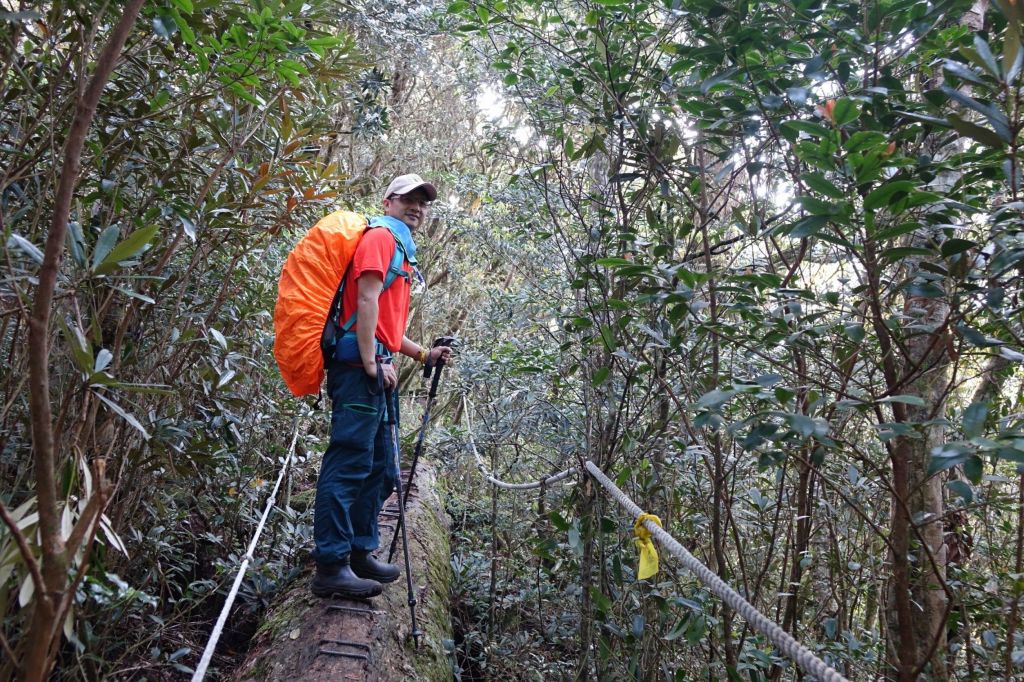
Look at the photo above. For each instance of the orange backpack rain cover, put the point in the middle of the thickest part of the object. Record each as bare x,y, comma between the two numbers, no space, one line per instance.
308,282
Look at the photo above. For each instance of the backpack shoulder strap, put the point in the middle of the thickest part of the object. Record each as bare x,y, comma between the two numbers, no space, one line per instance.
395,271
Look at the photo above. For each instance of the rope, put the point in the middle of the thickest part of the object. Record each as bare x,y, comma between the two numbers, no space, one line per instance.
547,480
204,662
803,656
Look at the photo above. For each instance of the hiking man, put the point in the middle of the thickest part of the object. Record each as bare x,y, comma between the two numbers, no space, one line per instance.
358,470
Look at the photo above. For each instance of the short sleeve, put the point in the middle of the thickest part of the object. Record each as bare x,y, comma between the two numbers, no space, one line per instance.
373,254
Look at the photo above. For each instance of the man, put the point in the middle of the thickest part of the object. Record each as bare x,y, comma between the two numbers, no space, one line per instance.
358,470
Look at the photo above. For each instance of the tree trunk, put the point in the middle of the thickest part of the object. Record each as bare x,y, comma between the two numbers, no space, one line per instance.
299,636
50,603
917,602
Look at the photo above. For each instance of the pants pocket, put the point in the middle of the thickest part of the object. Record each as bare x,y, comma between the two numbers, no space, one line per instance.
356,415
361,408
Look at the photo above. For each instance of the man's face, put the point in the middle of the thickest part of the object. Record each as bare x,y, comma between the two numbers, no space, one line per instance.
410,208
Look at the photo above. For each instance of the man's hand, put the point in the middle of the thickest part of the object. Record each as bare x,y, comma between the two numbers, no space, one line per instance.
439,353
390,379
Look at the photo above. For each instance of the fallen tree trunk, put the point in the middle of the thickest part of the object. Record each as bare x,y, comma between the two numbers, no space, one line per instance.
306,638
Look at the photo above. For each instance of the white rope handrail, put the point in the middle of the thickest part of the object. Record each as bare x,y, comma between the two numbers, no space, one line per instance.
803,656
211,645
795,651
532,485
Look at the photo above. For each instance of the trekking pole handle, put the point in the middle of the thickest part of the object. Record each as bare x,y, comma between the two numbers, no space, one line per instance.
378,387
428,367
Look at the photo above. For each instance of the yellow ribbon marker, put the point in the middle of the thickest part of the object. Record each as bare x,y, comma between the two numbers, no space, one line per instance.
648,554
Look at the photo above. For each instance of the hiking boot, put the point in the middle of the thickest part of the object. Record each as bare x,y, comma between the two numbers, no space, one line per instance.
338,580
365,565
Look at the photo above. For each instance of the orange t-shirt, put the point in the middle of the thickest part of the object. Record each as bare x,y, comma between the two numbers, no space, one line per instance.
374,252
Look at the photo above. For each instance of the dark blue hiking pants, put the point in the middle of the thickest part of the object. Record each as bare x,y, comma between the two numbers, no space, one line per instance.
358,470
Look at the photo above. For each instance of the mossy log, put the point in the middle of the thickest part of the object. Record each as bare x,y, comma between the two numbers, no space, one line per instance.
299,638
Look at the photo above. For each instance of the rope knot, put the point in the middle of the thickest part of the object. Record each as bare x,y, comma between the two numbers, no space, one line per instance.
648,553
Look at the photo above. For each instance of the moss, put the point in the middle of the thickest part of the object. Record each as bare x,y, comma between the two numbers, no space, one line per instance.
280,620
303,501
434,662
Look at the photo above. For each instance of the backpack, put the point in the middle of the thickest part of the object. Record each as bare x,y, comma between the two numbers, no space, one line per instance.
306,317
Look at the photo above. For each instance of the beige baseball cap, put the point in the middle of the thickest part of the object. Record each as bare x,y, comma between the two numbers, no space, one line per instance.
404,184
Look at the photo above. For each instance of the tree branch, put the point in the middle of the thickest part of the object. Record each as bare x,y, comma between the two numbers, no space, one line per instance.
54,558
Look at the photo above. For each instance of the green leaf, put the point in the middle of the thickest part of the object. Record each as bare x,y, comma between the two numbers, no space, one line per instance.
845,111
601,602
76,243
963,72
784,395
225,377
718,79
136,295
127,416
791,129
600,376
613,262
924,289
962,490
952,247
976,132
905,399
188,226
975,337
996,118
559,522
128,248
974,419
816,206
808,227
945,460
103,359
159,100
187,34
27,247
1011,454
104,245
715,398
81,349
855,332
818,182
880,196
974,468
923,118
802,424
219,338
988,60
607,338
678,630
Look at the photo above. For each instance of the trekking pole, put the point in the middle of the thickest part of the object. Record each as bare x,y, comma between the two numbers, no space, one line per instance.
427,369
416,633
